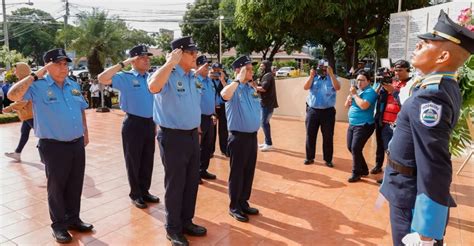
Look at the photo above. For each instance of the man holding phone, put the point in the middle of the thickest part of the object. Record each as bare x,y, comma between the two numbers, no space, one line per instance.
243,119
220,81
322,85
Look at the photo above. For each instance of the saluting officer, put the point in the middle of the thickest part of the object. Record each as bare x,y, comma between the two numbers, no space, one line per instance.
138,129
178,113
208,118
243,119
419,171
60,124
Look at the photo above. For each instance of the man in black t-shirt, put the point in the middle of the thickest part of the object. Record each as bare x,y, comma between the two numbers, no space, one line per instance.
267,89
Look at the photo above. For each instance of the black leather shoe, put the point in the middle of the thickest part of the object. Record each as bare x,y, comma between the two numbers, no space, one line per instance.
376,170
62,236
250,210
239,215
308,162
151,198
81,226
177,239
200,181
139,203
329,164
194,230
380,181
364,173
354,178
207,175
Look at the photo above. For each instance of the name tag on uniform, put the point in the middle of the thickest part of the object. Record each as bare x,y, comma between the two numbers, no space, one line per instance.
51,96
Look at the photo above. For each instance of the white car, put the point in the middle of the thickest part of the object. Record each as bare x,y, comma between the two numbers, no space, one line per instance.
285,71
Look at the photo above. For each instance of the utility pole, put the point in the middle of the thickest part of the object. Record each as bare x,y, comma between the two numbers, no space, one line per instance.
65,23
5,31
220,38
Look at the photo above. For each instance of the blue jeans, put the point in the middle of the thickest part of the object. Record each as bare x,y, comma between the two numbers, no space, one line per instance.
26,127
265,123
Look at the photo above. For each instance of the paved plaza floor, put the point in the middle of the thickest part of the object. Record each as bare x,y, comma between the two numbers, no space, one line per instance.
299,204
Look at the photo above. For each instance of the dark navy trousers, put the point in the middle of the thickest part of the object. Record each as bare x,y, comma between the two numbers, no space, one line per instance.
138,140
207,138
326,119
242,148
383,134
65,164
26,127
179,150
221,130
357,137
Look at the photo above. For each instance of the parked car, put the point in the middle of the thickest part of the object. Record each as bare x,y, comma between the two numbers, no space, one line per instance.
286,72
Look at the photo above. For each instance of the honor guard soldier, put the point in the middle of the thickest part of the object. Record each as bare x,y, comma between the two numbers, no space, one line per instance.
243,119
61,126
419,171
138,128
178,113
208,119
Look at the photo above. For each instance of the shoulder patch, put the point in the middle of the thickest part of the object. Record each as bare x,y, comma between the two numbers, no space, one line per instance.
430,114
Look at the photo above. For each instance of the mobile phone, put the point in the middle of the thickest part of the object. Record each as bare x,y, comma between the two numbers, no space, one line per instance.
326,63
354,83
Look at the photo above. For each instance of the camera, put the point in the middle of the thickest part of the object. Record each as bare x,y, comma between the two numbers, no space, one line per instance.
384,75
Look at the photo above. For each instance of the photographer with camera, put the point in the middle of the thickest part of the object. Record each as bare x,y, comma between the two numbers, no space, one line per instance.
388,106
322,85
220,80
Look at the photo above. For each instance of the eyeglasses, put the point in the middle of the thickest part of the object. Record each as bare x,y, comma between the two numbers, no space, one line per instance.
399,70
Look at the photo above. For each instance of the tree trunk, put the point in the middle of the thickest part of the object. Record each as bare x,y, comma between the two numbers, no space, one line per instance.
94,64
275,50
329,53
351,53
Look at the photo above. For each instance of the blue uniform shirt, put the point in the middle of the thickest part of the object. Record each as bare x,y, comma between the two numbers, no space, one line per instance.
243,110
208,100
359,117
421,141
322,94
57,111
177,105
135,97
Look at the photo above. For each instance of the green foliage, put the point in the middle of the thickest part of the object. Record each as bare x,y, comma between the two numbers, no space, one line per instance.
99,37
158,60
32,32
163,41
201,22
461,138
10,76
9,118
10,56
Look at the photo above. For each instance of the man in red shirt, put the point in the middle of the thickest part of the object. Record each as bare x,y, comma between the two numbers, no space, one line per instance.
388,106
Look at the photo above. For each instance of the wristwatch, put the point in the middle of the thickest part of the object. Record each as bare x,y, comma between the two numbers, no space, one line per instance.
122,64
237,81
35,77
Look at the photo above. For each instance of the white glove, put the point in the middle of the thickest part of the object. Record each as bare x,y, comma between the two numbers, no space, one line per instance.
413,239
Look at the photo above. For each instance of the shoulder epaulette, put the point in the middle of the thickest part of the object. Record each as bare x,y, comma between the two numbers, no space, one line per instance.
431,80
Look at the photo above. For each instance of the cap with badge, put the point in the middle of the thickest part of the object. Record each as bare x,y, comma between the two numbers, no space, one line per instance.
139,50
201,60
447,30
185,43
217,65
241,61
55,55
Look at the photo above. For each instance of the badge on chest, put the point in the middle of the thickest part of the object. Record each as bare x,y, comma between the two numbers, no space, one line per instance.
180,86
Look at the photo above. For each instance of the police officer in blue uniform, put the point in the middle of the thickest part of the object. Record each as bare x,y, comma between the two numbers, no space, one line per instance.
61,126
208,119
178,113
322,85
419,172
138,129
243,120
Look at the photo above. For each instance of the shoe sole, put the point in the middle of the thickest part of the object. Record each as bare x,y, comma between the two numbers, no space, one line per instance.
171,240
195,234
241,220
61,241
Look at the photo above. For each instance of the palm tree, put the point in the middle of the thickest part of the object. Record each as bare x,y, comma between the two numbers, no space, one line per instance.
98,37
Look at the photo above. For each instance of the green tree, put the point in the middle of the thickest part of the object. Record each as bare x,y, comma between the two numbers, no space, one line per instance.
32,32
163,41
10,57
99,37
201,22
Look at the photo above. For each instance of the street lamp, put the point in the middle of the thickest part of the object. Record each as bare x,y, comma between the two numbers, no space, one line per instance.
5,26
220,37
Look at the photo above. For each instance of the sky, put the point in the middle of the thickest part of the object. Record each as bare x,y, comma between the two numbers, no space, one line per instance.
148,15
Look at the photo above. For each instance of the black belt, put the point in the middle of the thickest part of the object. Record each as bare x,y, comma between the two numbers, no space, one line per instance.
243,133
321,108
409,171
49,140
187,132
132,116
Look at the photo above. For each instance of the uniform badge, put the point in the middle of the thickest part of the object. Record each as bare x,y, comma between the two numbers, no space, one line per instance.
255,94
198,84
51,96
179,86
135,83
430,114
75,92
